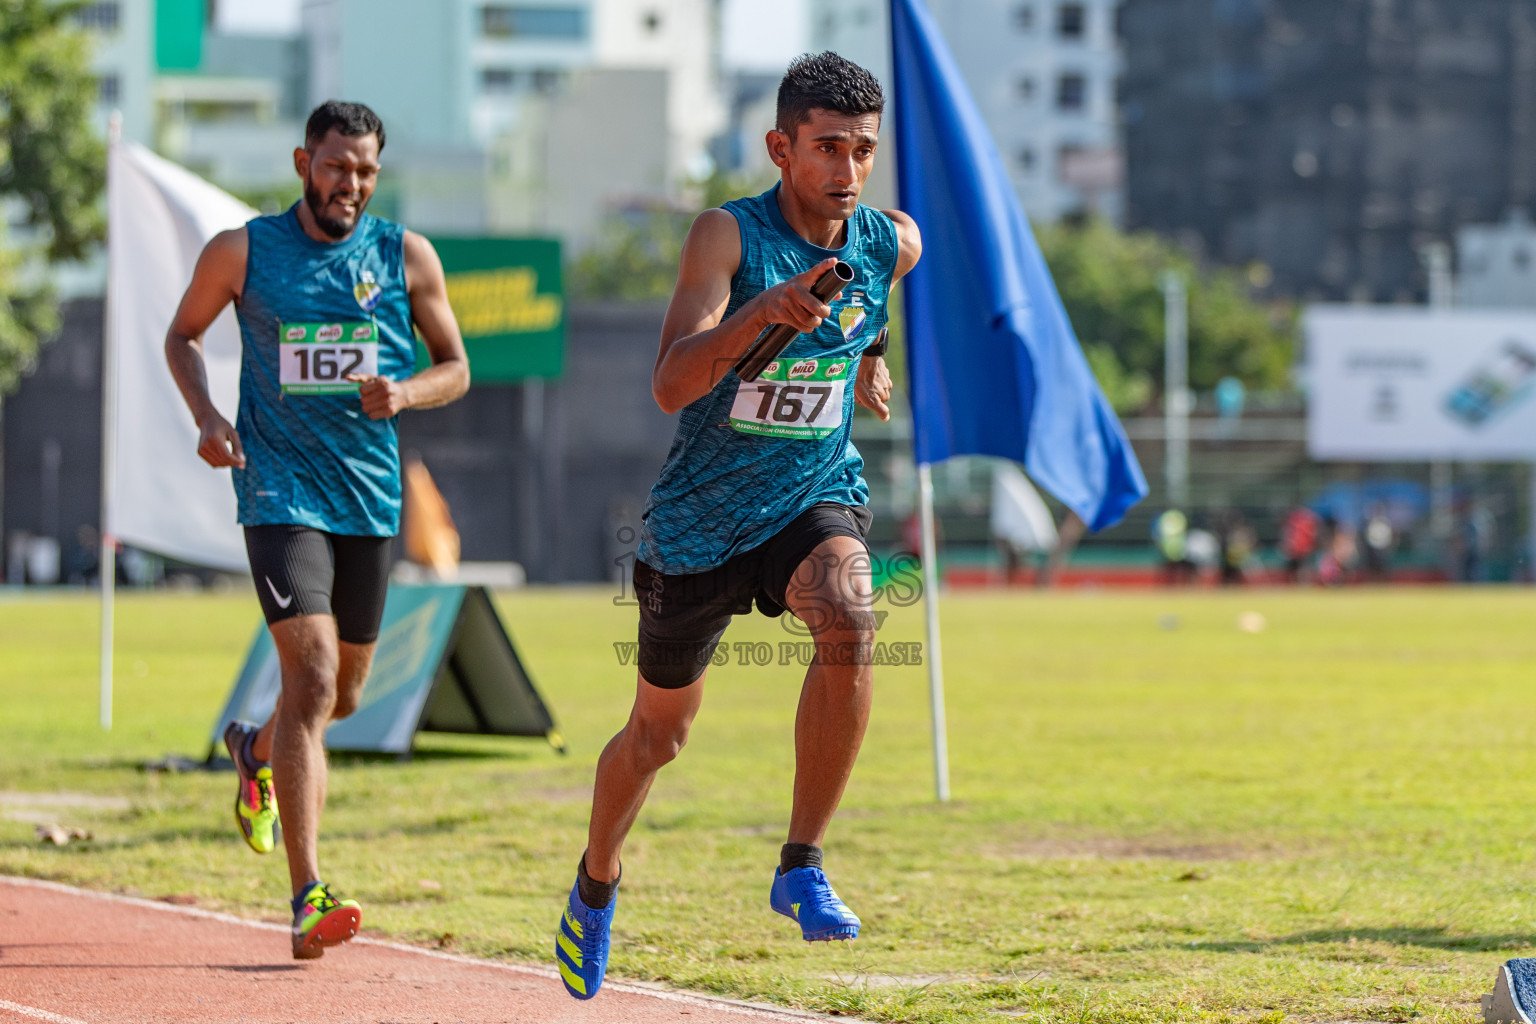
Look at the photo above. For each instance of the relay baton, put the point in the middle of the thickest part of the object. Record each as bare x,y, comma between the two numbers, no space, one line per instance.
777,338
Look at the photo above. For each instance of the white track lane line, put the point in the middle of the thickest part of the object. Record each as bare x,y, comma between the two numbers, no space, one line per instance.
36,1014
758,1011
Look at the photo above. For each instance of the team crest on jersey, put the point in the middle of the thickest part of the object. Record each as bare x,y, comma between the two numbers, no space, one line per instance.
852,318
367,291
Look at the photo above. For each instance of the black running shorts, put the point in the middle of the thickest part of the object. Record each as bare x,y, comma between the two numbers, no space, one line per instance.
303,571
682,618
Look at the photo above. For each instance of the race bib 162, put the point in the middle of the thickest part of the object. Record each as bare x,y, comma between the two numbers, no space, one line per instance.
316,359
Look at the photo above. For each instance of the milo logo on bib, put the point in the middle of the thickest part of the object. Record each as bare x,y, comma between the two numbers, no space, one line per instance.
801,400
317,359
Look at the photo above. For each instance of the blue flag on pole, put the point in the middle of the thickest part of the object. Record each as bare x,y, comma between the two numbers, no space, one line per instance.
993,363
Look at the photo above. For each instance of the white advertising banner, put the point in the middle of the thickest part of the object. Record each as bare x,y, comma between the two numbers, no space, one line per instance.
165,498
1420,384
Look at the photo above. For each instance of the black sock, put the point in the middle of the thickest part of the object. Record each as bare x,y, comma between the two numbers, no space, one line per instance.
596,895
799,855
248,754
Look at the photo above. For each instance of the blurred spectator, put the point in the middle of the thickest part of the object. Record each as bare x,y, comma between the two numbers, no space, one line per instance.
1341,555
81,561
1298,543
1380,539
1020,522
1471,541
1203,551
912,534
1237,542
1067,536
1170,536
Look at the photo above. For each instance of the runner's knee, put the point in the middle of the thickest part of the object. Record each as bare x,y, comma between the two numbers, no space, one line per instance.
310,694
655,743
347,700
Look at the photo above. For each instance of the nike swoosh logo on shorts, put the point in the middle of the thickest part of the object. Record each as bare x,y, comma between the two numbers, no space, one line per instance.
282,602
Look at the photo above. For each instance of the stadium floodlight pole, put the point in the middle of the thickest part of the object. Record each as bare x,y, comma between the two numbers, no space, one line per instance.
1176,397
777,338
107,563
931,614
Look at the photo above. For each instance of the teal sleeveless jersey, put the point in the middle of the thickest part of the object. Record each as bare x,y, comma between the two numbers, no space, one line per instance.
750,457
309,313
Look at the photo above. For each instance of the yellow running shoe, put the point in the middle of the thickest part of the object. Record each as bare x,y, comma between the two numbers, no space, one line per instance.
322,919
255,800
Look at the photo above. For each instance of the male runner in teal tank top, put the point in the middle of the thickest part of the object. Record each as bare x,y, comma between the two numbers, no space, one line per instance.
762,497
328,299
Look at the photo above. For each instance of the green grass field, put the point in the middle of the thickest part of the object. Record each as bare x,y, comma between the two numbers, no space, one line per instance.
1329,820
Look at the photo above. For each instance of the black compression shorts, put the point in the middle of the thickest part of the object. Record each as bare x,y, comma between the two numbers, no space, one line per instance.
303,571
683,617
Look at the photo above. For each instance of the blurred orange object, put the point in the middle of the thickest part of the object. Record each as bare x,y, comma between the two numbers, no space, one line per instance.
430,537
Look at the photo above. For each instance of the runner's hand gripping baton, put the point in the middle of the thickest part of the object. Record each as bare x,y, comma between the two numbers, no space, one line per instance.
777,338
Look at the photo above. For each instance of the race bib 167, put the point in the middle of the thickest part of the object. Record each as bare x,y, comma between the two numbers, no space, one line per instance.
316,359
801,399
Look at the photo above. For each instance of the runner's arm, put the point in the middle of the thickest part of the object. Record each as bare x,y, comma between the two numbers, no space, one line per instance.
873,388
447,378
216,282
697,347
909,242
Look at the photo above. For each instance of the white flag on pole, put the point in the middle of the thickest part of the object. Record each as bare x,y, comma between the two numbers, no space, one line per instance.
165,498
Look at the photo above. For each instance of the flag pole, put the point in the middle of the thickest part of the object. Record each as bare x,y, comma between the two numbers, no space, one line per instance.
107,562
931,613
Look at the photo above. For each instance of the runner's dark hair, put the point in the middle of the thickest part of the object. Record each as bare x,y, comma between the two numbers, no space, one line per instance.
825,81
351,119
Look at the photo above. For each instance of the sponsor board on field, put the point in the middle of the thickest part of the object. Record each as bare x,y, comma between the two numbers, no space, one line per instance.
443,663
509,299
1416,384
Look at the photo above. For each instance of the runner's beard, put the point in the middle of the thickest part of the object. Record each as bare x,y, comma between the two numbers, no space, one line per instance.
333,228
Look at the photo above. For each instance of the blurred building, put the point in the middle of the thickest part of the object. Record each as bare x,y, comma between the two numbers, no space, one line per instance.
123,32
1330,142
753,108
236,115
503,118
1497,263
526,118
1043,72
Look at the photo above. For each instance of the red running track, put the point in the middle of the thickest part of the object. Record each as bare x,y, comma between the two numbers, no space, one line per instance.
69,956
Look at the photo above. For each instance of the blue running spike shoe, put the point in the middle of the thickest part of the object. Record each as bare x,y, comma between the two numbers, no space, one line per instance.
805,896
581,945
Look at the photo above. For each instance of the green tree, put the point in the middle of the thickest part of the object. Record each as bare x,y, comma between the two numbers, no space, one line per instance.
1110,285
52,167
634,260
636,257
